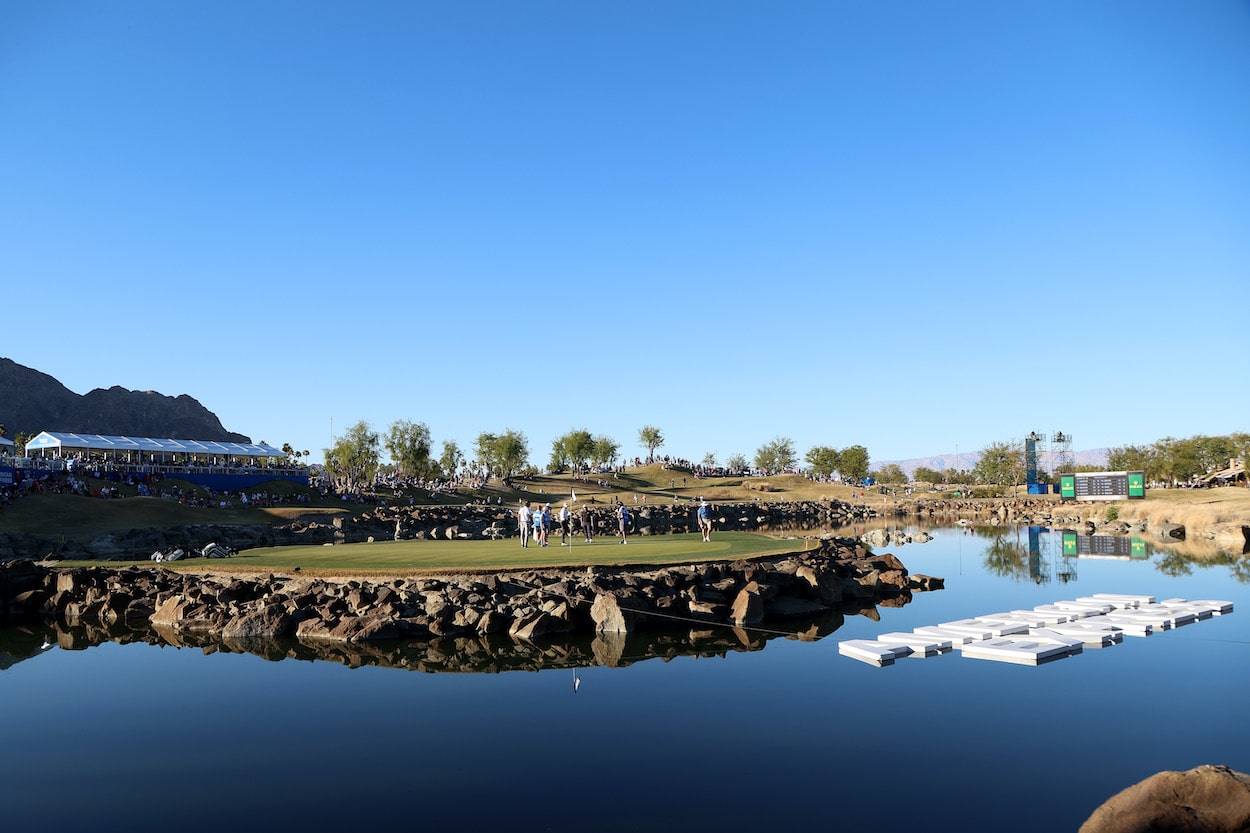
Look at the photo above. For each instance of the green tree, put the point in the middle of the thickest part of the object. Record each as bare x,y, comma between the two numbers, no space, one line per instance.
891,473
650,438
604,451
823,460
408,444
709,459
573,449
503,454
1000,463
736,462
1130,458
353,459
776,454
924,474
451,459
853,462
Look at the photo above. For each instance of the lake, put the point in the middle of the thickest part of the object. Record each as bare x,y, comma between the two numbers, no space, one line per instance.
705,732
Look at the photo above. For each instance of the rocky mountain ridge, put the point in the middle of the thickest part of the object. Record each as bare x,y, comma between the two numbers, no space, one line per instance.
32,401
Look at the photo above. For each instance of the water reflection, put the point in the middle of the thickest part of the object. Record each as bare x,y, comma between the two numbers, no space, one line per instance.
1042,555
464,654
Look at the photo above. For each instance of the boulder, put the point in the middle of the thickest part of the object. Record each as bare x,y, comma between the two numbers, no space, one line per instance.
609,617
1206,799
748,607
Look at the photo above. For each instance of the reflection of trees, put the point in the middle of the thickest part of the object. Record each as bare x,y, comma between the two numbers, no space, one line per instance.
1240,569
1173,564
1007,559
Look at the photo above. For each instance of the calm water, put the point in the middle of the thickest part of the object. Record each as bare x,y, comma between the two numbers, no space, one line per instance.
787,735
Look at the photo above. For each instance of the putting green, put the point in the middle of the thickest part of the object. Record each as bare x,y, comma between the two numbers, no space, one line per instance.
399,557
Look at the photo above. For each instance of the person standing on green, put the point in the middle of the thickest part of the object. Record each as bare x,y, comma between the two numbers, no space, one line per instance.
622,519
705,519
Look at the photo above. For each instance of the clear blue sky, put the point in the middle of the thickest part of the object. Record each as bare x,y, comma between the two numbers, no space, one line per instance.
915,226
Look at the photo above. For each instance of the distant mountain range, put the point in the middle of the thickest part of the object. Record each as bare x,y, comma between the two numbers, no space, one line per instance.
966,461
31,401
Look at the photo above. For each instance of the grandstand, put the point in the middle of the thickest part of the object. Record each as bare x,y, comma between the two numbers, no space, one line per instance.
217,465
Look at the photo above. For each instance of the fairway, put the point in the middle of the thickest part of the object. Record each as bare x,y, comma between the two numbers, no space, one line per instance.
415,557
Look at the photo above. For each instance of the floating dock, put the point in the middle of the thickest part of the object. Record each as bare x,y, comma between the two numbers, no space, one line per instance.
1043,634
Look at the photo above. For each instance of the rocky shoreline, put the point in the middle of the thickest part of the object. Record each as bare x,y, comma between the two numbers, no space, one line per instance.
523,604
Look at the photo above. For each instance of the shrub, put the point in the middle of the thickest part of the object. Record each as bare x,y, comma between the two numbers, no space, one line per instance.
1113,512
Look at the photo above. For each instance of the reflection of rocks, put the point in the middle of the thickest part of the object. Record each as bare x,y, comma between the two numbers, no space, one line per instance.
527,605
462,654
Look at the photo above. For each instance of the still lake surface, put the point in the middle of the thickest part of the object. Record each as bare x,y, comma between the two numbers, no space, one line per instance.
776,734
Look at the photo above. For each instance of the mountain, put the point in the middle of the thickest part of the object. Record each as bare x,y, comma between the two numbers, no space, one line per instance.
31,402
966,461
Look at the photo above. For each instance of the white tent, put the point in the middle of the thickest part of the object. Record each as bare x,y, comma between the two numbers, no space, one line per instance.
57,444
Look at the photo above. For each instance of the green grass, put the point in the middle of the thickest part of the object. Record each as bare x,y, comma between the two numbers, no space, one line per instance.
418,557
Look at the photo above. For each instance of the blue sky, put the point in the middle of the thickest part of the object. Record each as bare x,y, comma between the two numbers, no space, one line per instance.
915,226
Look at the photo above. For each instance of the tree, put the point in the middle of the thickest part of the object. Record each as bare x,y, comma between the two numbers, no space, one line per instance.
20,441
3,429
736,462
823,460
408,444
853,462
574,449
891,473
1000,463
650,438
709,459
776,455
289,451
924,474
504,454
353,459
604,451
451,458
1130,458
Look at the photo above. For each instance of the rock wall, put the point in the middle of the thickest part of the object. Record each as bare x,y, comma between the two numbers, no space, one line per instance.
524,604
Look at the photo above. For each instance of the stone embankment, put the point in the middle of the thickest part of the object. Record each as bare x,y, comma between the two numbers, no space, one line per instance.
523,604
425,522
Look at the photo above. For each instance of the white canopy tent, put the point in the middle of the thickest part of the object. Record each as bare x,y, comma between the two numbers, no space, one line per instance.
58,445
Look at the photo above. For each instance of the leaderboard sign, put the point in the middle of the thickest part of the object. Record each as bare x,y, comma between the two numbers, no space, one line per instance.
1103,485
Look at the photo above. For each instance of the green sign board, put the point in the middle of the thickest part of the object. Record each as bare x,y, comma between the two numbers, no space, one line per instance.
1067,486
1136,484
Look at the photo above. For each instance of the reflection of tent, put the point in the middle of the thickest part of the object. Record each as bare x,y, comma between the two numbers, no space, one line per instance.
56,444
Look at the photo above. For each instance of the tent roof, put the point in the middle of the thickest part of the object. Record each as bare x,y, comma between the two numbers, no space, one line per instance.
99,442
3,441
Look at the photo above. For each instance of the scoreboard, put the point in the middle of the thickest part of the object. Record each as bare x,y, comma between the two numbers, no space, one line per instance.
1103,485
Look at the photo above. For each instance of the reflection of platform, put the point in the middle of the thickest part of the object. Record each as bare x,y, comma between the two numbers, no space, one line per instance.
1048,632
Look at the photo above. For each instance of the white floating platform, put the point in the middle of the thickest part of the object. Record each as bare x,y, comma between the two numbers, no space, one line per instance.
920,646
1088,608
1030,618
1048,618
958,636
1216,606
1031,637
1024,650
1069,613
1093,634
992,627
1119,599
1131,626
